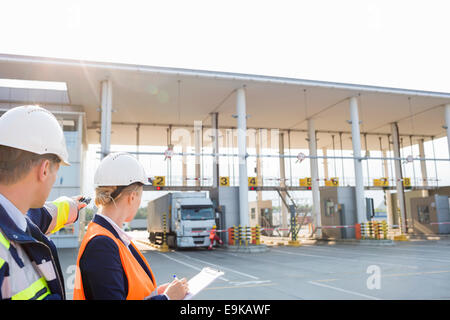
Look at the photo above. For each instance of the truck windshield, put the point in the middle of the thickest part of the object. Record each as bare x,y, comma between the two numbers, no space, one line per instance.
205,213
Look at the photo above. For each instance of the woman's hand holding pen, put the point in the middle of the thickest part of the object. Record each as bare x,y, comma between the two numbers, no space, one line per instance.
177,289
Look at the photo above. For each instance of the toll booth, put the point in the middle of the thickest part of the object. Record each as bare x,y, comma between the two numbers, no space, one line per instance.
430,215
260,213
226,200
69,179
409,194
338,208
266,220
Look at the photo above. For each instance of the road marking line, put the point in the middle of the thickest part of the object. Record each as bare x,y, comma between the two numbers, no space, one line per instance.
343,290
326,280
243,286
239,283
188,265
220,267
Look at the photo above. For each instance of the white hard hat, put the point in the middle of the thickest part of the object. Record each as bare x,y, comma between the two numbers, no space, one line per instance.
33,129
119,169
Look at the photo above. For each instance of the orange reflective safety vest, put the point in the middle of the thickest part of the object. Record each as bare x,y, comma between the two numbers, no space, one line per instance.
212,234
139,283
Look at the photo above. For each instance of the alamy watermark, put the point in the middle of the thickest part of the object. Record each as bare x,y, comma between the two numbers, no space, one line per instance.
374,280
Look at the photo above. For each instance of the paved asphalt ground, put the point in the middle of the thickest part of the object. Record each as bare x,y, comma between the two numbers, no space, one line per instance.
407,270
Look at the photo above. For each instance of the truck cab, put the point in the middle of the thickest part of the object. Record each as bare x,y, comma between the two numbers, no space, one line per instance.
184,219
193,220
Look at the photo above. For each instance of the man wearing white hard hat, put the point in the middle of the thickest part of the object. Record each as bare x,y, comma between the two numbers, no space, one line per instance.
109,266
32,147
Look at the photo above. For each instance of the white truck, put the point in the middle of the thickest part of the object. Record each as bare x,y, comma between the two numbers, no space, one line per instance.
189,217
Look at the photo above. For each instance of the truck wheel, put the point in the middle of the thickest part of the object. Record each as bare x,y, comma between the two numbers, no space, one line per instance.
158,238
152,237
172,241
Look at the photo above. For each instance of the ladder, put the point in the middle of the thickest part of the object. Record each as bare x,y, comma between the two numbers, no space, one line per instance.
293,210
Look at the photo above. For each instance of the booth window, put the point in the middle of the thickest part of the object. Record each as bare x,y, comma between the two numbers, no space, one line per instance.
424,214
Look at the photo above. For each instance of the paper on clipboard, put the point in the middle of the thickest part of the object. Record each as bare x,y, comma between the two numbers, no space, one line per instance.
201,280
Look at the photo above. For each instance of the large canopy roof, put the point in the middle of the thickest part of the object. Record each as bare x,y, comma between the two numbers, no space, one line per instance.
156,97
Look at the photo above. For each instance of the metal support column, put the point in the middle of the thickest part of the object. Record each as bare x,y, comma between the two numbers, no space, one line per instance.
184,164
389,213
242,153
197,144
83,160
169,159
447,125
359,180
399,177
258,174
423,164
325,164
138,139
215,147
314,177
284,208
106,111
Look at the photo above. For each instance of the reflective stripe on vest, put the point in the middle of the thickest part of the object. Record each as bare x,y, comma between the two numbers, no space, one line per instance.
64,211
12,251
21,274
4,241
139,283
63,208
38,290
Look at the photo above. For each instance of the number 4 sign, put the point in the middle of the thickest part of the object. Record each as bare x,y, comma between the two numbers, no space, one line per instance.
252,181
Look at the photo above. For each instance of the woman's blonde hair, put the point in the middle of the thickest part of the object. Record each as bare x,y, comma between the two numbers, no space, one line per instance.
107,195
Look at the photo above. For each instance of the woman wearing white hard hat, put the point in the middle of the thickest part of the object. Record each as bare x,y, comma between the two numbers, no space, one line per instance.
109,266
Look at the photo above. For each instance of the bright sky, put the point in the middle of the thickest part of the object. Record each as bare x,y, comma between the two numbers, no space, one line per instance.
389,43
400,44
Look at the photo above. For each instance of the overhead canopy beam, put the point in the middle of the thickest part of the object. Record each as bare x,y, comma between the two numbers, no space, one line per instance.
146,92
165,125
213,75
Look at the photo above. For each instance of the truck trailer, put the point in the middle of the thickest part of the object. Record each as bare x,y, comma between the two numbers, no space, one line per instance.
185,218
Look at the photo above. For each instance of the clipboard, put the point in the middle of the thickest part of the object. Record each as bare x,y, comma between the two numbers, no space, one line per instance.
201,280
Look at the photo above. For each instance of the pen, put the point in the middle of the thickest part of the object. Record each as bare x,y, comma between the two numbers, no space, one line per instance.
175,277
